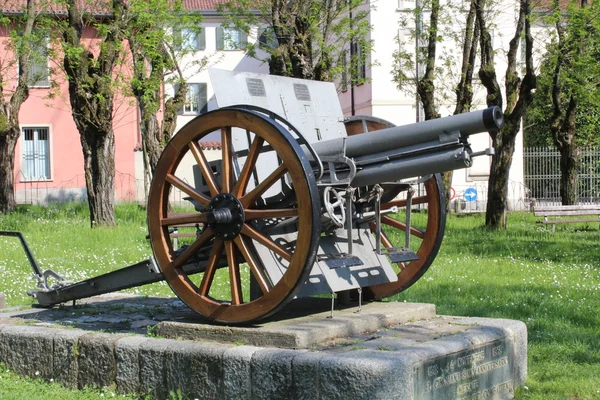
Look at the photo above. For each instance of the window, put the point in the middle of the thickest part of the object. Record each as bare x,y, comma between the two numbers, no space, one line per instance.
36,153
189,39
231,39
38,64
195,99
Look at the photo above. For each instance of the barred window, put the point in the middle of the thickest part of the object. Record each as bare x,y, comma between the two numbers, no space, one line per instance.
35,164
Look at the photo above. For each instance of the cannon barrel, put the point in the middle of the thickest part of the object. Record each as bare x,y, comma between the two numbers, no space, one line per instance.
407,151
466,124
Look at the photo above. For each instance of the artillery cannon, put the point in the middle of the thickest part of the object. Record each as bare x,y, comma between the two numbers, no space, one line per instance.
299,202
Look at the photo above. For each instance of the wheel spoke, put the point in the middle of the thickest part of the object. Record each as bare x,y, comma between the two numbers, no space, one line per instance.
403,202
275,213
192,249
183,218
254,264
267,242
207,172
242,183
252,196
227,161
402,226
234,274
187,189
209,272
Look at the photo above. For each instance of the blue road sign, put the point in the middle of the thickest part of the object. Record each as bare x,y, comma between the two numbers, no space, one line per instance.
470,194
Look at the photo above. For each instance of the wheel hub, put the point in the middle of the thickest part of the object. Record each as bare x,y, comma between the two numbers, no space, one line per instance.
225,216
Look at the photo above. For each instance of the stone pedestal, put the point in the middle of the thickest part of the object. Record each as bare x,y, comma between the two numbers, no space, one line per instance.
387,351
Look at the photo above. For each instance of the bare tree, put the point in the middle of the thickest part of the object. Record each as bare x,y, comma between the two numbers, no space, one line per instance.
519,94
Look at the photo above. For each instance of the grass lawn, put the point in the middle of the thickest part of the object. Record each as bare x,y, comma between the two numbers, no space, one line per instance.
550,281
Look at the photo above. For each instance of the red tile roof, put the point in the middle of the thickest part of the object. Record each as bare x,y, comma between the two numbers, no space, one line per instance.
207,5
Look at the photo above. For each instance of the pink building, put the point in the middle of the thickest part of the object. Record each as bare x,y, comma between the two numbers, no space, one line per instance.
48,156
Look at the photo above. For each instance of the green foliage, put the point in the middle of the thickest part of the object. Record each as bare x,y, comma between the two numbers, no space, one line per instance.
575,56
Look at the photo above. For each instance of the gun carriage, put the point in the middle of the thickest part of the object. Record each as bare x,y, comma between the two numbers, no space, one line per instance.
299,202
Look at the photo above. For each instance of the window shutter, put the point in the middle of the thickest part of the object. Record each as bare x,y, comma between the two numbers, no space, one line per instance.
220,41
202,98
201,40
38,65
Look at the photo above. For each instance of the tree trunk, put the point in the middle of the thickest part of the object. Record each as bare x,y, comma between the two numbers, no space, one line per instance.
91,96
504,145
569,165
151,139
8,142
99,170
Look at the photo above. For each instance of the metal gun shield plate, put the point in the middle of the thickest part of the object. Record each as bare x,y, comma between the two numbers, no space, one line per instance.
234,197
426,232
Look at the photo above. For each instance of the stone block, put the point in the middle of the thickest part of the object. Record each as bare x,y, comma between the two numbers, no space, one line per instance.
271,373
195,369
128,363
365,374
152,369
237,380
306,372
2,300
96,361
66,352
27,350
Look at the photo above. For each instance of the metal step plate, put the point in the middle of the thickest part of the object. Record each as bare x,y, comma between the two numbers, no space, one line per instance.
399,254
339,260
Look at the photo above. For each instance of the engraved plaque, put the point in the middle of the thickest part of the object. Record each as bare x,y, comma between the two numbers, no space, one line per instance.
301,92
484,372
256,87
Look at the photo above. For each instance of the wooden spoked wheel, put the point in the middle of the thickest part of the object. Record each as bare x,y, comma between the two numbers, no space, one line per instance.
426,230
261,177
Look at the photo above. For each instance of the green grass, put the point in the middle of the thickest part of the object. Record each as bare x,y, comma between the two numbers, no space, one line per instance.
14,387
550,281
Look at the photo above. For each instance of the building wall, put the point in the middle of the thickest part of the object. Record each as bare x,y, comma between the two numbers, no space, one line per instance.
67,180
